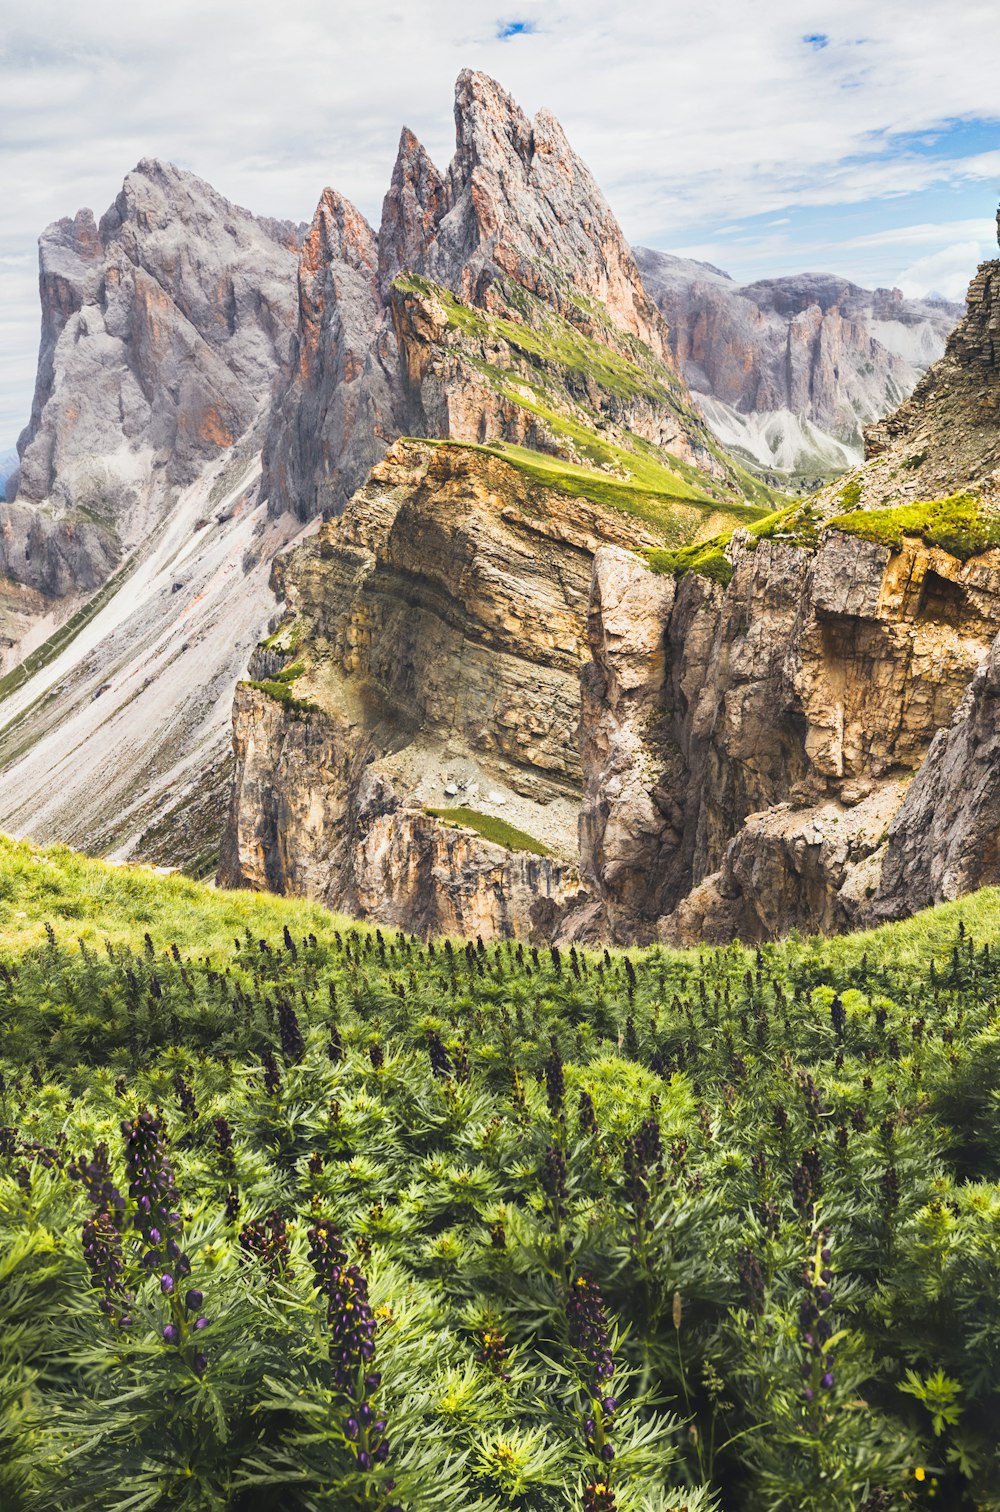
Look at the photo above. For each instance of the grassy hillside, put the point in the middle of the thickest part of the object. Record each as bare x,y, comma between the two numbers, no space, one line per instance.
588,395
486,1227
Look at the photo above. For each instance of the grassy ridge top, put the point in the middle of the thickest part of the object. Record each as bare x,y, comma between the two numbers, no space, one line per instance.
93,900
586,392
958,524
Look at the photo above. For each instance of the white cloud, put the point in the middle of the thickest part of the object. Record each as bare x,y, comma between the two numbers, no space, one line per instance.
945,272
690,117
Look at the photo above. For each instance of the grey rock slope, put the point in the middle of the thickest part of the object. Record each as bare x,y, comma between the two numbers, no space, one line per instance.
790,370
163,328
135,551
8,466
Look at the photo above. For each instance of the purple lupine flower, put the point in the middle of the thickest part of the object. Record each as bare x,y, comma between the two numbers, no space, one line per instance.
156,1216
555,1084
293,1046
440,1060
352,1326
589,1334
102,1250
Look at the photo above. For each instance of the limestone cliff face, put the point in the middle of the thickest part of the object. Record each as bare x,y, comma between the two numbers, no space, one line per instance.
163,328
747,785
333,420
746,740
435,633
945,841
790,370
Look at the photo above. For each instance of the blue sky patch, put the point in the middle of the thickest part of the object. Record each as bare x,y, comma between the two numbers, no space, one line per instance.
817,41
515,29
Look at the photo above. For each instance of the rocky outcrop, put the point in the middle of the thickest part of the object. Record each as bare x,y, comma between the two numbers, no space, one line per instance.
774,733
331,827
946,436
520,207
341,407
435,635
789,370
626,839
163,328
945,841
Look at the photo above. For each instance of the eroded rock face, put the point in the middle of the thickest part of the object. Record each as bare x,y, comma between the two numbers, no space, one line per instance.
946,437
520,205
163,328
791,369
440,623
771,747
341,407
332,828
945,840
626,840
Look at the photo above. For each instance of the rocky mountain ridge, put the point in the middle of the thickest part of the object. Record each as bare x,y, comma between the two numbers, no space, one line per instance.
788,371
163,328
749,718
498,301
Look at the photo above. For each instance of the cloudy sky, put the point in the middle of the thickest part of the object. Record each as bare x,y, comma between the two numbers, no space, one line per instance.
764,137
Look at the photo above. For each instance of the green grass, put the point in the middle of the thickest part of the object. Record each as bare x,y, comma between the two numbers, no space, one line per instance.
39,884
97,901
707,559
289,674
674,518
279,689
958,524
559,368
794,525
552,340
496,830
850,494
523,1155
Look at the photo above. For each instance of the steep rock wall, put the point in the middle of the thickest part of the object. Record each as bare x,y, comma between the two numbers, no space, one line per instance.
436,632
163,328
776,729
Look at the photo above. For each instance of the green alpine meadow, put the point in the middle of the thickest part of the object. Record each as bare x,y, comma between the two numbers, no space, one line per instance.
300,1214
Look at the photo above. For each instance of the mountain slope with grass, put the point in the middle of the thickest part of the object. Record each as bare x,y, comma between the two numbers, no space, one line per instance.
298,1214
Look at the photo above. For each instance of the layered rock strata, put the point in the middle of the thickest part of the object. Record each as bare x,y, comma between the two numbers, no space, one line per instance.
429,658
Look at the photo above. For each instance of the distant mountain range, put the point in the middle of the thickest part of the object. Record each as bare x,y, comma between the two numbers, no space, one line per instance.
788,370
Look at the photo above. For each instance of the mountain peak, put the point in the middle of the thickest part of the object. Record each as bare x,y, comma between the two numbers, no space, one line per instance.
411,210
